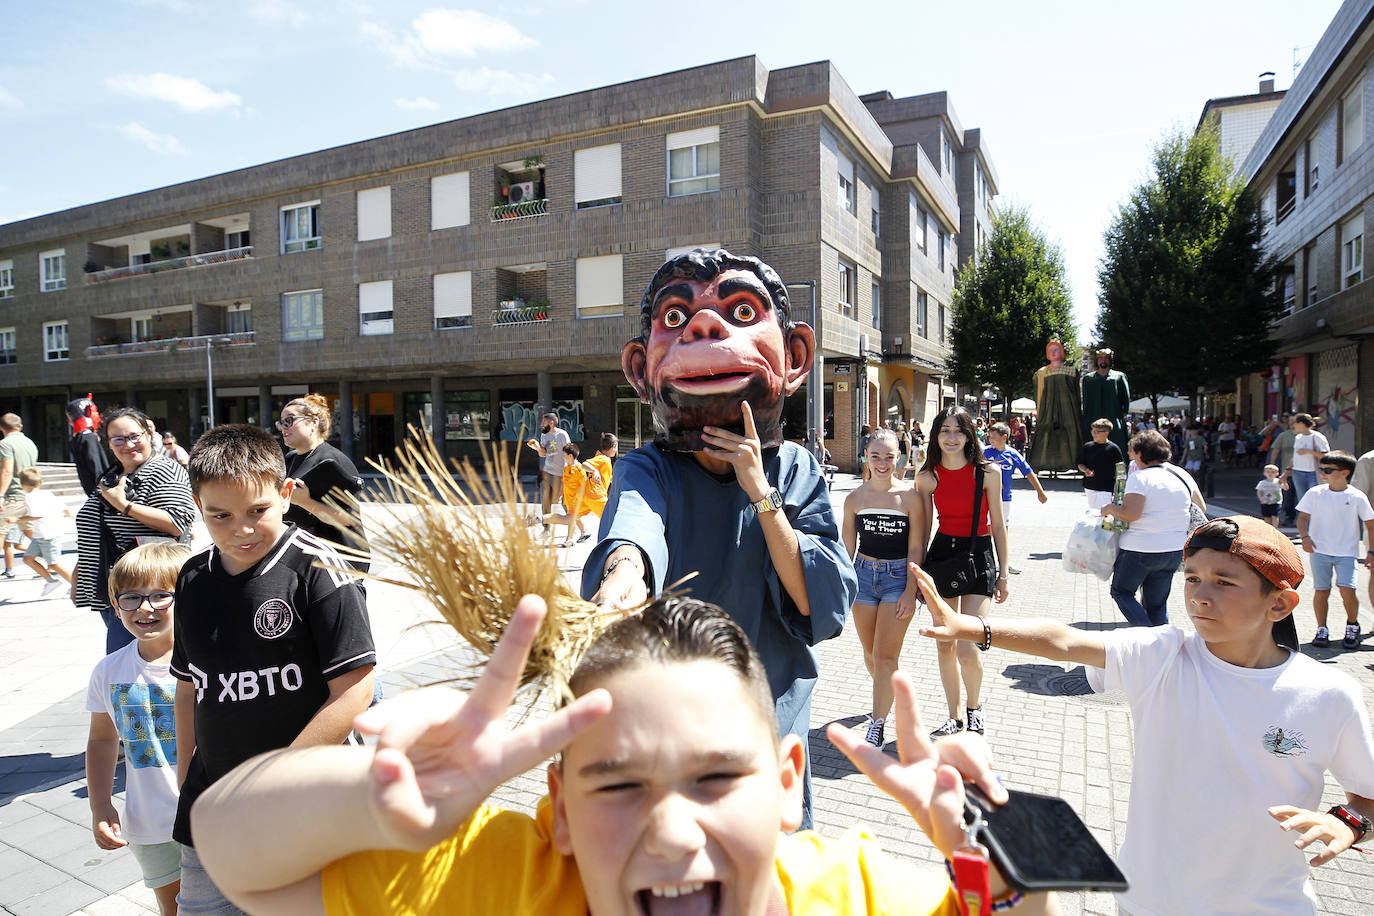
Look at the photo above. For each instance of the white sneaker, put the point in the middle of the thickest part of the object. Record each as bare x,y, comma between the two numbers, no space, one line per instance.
874,734
52,586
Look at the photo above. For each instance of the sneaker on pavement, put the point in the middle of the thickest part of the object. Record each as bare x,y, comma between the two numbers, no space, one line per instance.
1322,639
586,536
975,719
8,574
52,586
952,726
874,735
1352,636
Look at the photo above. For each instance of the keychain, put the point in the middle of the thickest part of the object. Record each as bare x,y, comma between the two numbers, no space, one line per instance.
969,870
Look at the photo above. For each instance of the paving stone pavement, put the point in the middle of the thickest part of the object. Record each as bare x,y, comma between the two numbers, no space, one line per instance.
1046,734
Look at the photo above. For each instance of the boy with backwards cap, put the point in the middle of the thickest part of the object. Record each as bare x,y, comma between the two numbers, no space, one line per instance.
1234,730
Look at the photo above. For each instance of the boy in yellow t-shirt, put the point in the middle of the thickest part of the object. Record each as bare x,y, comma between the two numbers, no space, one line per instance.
671,793
592,480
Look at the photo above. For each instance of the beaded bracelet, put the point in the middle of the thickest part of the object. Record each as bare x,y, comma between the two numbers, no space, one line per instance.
1012,899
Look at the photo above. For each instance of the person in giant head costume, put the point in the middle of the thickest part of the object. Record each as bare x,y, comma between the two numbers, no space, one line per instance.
719,493
84,445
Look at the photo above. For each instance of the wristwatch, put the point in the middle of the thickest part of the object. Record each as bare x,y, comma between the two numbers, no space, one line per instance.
1352,819
770,503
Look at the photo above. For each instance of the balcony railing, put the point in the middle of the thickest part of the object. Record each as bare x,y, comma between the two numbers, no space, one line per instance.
522,314
1285,209
205,259
523,210
167,345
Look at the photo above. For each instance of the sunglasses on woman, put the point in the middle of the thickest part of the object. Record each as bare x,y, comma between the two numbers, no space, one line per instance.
286,423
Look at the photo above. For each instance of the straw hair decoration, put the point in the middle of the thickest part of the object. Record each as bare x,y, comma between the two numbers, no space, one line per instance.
463,542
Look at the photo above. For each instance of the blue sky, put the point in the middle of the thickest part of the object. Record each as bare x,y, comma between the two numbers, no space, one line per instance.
101,99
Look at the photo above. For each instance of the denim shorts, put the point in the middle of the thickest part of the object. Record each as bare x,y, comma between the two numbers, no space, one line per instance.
198,895
1323,567
46,549
880,581
159,862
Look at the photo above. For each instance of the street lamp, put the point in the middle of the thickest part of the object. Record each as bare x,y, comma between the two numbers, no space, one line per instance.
210,343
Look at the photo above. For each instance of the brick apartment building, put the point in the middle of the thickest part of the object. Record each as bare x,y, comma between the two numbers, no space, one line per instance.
467,274
1313,166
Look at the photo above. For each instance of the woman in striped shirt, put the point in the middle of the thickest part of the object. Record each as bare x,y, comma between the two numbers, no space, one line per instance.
141,499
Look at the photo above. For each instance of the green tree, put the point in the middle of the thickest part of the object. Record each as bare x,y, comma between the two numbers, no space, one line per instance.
1186,294
1008,302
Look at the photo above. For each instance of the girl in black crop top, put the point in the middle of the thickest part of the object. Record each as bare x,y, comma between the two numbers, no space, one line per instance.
883,523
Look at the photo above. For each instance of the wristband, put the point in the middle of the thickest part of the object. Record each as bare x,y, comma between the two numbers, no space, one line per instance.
986,644
1353,819
127,506
610,569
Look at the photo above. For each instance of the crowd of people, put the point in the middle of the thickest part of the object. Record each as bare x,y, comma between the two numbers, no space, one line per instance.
240,679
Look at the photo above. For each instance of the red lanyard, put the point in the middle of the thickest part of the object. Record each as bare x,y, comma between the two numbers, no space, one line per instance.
969,866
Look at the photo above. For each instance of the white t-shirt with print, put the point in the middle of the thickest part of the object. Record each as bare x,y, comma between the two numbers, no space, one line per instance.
1313,440
1215,746
1163,522
1270,492
1337,517
140,699
47,508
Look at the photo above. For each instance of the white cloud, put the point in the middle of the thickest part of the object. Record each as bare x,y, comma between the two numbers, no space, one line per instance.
9,100
419,103
158,143
278,12
500,82
186,93
442,33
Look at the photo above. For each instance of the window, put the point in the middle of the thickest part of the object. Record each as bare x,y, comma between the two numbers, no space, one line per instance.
1352,119
6,279
918,226
947,154
596,176
302,315
940,247
875,204
600,286
143,327
1288,283
448,201
694,161
467,415
845,166
374,214
453,300
1309,277
674,252
942,322
877,303
848,276
1352,250
53,270
238,319
55,341
1309,155
922,314
241,239
300,227
374,308
7,347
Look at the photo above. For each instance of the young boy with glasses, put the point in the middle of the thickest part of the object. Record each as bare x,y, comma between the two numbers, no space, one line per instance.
130,698
1330,516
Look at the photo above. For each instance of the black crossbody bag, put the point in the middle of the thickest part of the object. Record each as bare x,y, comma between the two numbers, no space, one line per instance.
953,574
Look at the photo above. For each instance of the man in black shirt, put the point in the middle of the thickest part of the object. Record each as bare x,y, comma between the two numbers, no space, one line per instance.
1097,460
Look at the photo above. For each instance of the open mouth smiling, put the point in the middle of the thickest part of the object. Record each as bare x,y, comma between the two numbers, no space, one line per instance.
699,898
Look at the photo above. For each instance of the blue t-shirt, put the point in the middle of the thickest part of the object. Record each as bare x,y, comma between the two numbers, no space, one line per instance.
1010,460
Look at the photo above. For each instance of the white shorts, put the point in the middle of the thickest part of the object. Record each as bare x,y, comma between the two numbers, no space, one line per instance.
1098,498
1006,512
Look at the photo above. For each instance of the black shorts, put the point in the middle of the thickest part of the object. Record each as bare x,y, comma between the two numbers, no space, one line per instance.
985,560
1269,511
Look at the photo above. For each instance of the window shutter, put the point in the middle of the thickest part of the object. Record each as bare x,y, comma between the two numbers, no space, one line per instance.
596,173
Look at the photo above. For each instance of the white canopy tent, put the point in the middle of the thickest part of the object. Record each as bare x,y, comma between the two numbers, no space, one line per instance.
1166,402
1018,405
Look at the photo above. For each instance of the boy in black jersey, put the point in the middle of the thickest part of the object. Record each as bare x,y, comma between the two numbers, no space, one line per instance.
273,648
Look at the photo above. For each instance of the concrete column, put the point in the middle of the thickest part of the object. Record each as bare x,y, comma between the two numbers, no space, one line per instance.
436,408
27,417
544,393
265,406
346,418
130,397
193,407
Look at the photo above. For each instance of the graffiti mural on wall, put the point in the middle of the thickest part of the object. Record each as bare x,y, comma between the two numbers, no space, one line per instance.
1337,420
521,415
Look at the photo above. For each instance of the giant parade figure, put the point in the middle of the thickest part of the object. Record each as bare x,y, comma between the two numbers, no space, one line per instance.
1107,395
1058,426
719,494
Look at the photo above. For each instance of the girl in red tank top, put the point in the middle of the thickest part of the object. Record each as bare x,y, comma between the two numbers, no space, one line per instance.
946,484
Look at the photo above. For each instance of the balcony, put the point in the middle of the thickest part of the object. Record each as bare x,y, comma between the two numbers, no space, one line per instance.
526,209
167,345
206,259
516,311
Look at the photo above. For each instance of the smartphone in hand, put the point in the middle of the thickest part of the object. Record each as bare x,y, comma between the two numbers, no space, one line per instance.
1039,843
